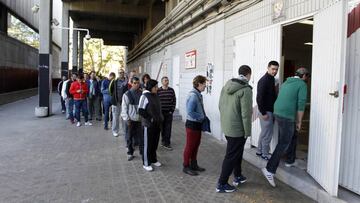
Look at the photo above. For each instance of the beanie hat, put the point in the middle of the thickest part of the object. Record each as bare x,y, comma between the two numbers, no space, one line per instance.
150,84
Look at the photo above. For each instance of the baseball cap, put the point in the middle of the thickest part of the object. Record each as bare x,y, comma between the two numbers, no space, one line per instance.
303,71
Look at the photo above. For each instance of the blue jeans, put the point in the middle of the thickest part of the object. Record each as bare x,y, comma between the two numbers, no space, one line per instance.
81,105
286,133
69,108
107,105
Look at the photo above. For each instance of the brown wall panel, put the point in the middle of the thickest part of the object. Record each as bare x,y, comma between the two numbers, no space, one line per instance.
14,79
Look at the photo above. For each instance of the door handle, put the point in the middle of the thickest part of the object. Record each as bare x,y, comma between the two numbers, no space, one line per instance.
334,94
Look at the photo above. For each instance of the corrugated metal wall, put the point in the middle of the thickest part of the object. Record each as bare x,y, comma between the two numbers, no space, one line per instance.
260,16
350,159
254,18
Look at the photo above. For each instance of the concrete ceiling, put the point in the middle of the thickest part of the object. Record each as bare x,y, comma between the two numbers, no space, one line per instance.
117,22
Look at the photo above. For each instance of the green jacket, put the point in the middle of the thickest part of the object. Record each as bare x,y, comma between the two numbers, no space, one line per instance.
291,99
235,107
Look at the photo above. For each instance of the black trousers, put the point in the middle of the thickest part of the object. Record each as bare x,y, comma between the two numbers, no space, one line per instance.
135,132
94,107
166,128
151,141
233,158
62,101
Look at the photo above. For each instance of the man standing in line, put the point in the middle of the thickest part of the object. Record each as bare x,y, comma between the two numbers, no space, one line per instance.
59,88
93,97
168,104
69,99
117,88
150,112
235,107
79,90
265,99
288,112
130,115
107,98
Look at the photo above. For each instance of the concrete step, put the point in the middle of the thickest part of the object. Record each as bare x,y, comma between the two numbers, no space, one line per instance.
295,177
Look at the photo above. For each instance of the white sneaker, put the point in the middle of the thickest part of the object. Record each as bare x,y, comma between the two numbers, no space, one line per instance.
157,164
290,165
269,176
148,168
78,124
116,134
88,123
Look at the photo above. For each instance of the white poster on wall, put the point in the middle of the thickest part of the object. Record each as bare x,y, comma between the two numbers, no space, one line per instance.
190,59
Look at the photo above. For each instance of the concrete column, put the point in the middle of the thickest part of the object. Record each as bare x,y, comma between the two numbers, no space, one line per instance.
45,66
75,52
81,52
65,41
3,19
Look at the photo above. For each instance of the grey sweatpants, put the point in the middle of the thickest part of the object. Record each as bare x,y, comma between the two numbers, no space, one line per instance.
118,125
267,127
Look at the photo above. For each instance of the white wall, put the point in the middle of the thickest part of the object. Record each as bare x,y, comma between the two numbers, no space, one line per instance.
350,159
215,44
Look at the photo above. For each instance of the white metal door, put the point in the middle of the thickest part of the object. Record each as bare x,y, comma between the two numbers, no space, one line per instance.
256,49
328,70
267,48
176,77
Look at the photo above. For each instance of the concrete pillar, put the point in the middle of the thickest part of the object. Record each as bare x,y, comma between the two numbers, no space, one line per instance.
3,19
65,41
45,67
75,52
81,52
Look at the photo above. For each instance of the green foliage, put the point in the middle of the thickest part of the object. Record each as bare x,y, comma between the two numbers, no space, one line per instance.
101,58
22,32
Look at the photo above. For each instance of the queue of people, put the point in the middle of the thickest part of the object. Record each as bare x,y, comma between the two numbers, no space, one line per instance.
134,109
143,113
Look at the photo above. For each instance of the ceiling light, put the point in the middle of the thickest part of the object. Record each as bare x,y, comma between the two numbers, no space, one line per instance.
307,22
308,43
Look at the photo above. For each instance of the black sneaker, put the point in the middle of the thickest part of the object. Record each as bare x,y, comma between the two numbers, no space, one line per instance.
195,167
226,188
239,180
106,128
188,171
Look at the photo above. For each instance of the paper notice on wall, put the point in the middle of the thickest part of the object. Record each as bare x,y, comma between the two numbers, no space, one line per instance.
190,59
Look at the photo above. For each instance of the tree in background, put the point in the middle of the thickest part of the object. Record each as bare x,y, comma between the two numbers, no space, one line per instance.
101,58
22,32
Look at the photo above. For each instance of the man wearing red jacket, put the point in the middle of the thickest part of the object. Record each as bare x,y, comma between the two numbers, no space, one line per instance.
79,90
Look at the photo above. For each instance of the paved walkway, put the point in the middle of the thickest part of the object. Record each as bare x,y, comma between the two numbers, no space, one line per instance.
49,160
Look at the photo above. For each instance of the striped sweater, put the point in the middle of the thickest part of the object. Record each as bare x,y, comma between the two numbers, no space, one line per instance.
167,99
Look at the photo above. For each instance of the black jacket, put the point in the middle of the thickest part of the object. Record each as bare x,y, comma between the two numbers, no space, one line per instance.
115,92
266,94
150,110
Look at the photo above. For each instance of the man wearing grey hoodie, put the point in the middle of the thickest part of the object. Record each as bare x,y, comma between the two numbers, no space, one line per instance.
235,107
130,114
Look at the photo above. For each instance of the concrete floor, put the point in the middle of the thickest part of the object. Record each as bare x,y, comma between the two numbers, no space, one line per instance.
50,160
